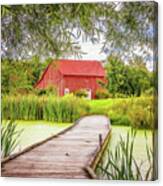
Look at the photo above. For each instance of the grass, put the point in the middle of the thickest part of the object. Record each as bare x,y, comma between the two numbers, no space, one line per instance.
122,161
105,104
10,136
49,108
136,112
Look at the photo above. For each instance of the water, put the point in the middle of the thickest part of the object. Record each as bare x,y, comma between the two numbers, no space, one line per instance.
140,141
139,151
35,131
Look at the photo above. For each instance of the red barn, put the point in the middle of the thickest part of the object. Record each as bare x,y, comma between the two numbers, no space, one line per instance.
72,75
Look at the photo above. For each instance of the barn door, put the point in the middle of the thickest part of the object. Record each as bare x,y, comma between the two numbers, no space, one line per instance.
89,93
66,91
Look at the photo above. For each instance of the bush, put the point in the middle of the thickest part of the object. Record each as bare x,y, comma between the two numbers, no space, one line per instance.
81,93
120,95
135,112
101,93
50,90
149,92
120,120
121,106
141,117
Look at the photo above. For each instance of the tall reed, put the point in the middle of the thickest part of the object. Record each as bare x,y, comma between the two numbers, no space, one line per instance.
120,163
50,108
9,138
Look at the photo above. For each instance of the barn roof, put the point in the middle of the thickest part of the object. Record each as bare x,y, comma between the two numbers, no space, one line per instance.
80,67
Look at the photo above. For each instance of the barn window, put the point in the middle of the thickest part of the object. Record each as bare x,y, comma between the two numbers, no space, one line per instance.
66,91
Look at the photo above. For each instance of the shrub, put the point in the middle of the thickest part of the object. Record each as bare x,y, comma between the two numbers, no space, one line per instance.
81,93
120,120
120,95
101,93
41,92
149,92
121,106
50,90
135,112
102,83
141,117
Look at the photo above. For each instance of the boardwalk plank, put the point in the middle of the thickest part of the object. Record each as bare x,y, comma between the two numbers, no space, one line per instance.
65,156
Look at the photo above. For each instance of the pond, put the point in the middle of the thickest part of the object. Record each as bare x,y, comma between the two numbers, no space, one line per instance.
35,131
140,140
139,150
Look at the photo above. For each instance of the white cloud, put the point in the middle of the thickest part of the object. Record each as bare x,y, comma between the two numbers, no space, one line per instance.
93,51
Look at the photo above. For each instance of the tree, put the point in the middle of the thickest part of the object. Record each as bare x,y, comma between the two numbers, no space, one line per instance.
54,29
21,76
129,79
140,76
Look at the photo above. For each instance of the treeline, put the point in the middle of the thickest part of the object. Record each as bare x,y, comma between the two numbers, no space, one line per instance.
128,79
123,80
19,77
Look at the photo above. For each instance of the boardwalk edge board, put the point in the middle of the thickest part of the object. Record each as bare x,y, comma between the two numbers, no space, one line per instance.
92,164
15,155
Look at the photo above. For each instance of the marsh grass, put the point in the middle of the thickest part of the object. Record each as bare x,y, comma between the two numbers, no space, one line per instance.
49,108
9,138
120,163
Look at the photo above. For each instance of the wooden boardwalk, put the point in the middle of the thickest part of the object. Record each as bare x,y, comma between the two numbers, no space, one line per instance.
73,153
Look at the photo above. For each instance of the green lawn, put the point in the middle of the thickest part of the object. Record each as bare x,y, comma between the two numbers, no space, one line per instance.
100,106
104,104
133,111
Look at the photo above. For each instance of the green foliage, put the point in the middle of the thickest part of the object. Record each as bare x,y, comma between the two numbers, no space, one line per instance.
9,138
121,164
102,93
141,114
120,95
50,108
136,112
119,119
50,90
81,93
54,29
131,79
149,92
101,83
19,77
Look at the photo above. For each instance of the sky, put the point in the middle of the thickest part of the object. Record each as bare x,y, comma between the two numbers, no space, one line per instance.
93,52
